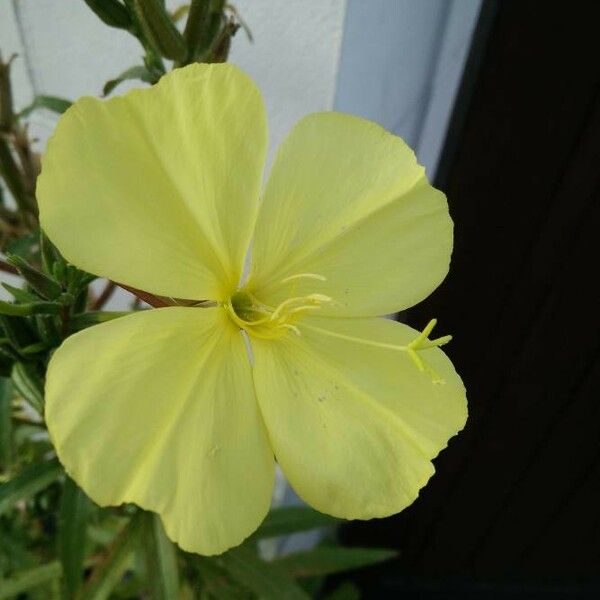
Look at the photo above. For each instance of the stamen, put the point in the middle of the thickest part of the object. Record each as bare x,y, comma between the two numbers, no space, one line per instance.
304,276
312,299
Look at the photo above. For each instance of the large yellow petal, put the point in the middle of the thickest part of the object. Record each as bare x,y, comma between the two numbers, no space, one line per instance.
353,425
158,409
159,188
347,200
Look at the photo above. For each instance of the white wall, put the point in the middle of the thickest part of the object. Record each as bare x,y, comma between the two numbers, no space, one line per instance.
401,64
68,52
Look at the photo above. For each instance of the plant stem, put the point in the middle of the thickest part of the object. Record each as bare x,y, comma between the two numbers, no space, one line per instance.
104,296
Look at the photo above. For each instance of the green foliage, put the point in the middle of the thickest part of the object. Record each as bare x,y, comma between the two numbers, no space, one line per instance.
51,103
293,519
326,560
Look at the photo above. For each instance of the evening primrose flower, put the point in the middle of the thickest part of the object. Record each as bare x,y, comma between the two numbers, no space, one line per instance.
184,410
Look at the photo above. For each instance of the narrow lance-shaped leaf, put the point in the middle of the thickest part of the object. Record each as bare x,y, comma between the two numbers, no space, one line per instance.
43,285
264,579
325,560
13,177
28,482
293,519
30,308
51,103
346,591
16,329
50,254
161,559
28,580
215,582
110,571
139,72
6,396
29,384
20,295
73,518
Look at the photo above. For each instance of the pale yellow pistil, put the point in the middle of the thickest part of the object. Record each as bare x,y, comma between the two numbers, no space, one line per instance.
421,342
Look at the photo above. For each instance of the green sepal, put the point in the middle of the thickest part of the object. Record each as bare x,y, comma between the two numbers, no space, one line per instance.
52,103
43,285
29,481
75,508
111,12
29,384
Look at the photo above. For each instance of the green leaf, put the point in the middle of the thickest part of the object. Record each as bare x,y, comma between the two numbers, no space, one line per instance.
48,330
28,580
264,579
215,581
73,518
325,560
6,397
16,329
292,519
153,19
111,12
29,384
110,571
346,591
25,246
30,308
57,105
161,559
43,285
20,295
34,349
50,254
28,482
88,319
138,72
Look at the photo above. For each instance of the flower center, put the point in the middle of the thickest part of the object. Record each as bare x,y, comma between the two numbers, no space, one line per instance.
270,322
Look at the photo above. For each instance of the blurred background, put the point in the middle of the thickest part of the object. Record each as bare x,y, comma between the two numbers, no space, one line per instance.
500,100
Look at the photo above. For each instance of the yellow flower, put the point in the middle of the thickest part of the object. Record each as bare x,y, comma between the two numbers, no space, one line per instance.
178,411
